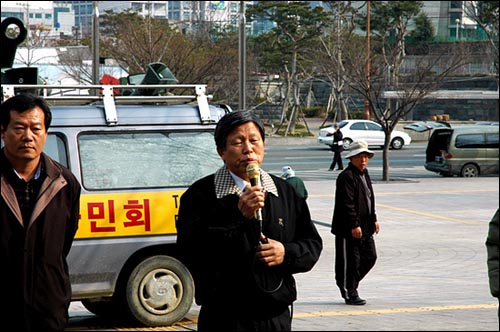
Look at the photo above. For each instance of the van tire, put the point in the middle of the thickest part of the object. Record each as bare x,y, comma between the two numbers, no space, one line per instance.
160,291
469,171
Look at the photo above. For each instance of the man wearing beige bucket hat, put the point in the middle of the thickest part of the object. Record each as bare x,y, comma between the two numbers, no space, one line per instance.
354,223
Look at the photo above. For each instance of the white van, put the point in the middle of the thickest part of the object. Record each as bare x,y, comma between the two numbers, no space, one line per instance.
467,151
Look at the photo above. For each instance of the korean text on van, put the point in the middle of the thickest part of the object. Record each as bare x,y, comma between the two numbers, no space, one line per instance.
467,151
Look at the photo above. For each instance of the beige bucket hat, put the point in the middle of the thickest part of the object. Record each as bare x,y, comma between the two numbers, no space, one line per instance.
359,147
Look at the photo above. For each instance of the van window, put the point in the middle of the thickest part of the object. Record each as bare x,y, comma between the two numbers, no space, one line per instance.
56,149
470,141
492,140
119,160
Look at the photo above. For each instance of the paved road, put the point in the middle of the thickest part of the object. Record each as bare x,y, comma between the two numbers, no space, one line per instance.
430,275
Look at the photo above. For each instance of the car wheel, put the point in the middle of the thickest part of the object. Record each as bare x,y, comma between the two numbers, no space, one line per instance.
346,142
160,291
469,171
397,143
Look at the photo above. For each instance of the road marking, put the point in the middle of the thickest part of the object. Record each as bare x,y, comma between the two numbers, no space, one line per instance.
430,215
434,192
393,311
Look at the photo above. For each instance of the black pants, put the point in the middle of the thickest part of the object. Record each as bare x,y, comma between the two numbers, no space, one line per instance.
225,317
353,260
337,160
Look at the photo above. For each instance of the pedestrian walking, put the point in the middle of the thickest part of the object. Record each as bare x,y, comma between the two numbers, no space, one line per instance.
39,212
289,175
243,233
354,223
337,147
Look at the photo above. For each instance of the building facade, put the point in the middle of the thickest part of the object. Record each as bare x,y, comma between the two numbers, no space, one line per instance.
42,17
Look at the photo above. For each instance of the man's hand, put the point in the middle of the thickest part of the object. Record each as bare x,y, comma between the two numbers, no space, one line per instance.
250,201
271,253
357,233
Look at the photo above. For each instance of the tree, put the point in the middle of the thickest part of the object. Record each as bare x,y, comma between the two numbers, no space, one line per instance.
135,41
422,35
328,58
296,25
390,94
486,15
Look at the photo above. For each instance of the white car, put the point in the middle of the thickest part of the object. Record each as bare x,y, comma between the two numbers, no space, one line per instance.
367,130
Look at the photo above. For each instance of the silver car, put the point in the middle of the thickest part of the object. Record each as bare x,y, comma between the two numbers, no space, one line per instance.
370,131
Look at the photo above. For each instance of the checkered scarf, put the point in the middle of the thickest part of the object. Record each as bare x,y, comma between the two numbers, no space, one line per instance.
225,185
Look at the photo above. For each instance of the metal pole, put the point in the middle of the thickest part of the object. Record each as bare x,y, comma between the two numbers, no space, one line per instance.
339,59
242,58
95,45
457,21
368,60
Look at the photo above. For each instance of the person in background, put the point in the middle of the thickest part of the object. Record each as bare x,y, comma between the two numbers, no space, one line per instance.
289,175
493,251
354,223
337,148
39,213
241,242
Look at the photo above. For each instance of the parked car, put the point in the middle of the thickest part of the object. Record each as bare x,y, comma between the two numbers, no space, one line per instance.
367,130
423,126
487,123
467,151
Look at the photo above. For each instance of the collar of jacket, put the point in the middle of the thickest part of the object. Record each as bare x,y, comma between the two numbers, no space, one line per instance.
53,182
225,185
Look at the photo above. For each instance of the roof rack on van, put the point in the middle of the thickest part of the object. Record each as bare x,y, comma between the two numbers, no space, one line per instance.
110,96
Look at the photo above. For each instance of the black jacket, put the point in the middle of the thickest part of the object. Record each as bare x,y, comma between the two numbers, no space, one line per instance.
218,245
337,142
351,209
36,290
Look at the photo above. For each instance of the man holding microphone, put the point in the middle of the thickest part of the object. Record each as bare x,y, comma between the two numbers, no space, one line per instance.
243,267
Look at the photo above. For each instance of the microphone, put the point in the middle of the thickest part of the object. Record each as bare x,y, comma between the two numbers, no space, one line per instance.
253,172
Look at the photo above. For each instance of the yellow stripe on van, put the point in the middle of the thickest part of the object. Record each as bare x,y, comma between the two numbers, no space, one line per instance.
128,214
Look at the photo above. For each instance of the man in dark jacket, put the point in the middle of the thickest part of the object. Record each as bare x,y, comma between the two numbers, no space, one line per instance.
39,210
337,148
243,239
354,223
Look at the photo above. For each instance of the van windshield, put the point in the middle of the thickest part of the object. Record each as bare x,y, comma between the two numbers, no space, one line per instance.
119,160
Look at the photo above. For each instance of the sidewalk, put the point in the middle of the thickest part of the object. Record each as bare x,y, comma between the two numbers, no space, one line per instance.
431,271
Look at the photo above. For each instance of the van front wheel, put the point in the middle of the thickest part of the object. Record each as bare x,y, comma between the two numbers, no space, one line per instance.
159,291
469,171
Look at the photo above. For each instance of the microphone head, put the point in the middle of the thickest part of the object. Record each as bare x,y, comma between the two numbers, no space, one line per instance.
253,171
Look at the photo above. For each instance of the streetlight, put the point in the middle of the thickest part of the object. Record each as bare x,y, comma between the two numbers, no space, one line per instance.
457,22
